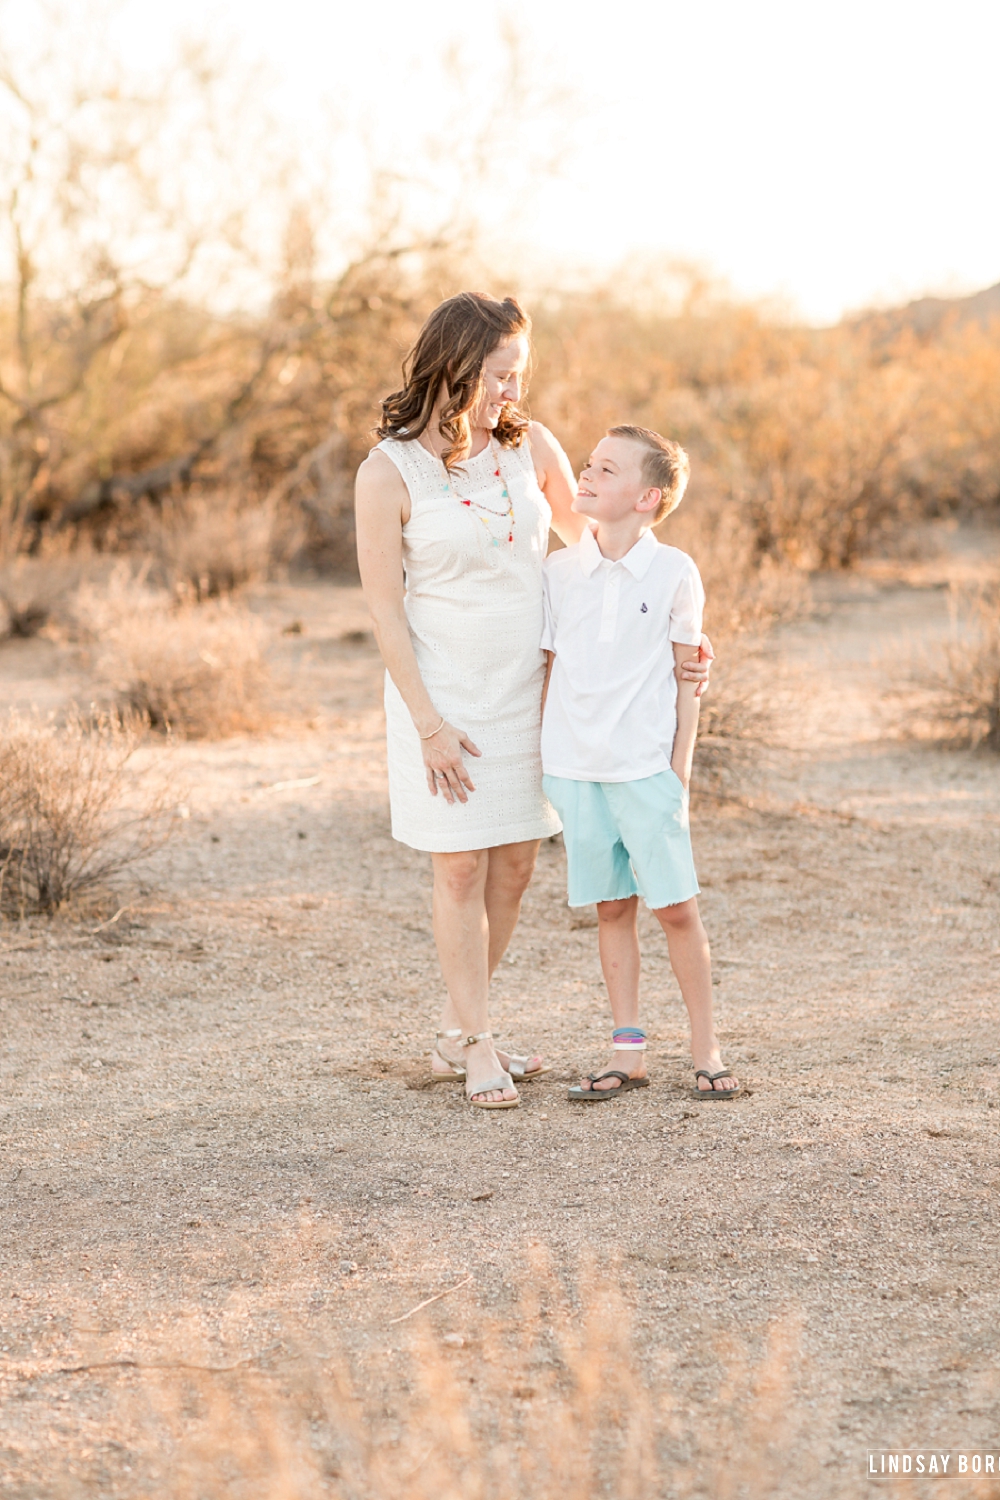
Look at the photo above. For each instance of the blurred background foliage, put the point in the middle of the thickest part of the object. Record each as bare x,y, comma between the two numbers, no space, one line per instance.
175,349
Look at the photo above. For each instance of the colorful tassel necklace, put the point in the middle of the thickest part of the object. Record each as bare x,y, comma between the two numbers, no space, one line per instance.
481,511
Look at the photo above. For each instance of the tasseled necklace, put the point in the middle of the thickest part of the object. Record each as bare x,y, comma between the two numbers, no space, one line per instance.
485,510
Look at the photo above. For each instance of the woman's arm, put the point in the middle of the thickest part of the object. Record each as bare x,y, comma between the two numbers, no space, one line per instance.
550,657
382,509
688,709
557,484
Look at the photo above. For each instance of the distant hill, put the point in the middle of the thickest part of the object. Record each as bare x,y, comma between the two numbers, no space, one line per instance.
926,315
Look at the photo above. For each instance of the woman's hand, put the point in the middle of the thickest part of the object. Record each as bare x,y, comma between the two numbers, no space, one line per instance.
446,772
700,667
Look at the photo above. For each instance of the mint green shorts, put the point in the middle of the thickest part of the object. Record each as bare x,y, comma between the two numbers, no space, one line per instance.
626,838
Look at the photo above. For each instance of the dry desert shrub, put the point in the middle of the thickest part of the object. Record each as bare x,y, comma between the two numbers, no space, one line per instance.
737,717
746,598
34,591
967,685
739,714
72,814
824,441
204,546
191,669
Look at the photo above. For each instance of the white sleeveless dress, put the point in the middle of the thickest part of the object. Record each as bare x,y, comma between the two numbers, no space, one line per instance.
475,615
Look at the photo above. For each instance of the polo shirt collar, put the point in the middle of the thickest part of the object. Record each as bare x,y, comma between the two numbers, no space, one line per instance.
637,559
590,553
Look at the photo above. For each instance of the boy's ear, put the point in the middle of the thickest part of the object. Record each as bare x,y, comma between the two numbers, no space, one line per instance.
648,501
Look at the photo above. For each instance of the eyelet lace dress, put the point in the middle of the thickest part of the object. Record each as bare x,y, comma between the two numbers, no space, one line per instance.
474,607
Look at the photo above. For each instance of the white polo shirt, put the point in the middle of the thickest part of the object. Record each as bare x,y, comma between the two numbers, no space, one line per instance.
611,710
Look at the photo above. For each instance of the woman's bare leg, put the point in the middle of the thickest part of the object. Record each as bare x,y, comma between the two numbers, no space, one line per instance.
461,931
509,871
691,963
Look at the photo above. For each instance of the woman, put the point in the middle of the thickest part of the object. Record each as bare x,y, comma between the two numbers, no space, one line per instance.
454,508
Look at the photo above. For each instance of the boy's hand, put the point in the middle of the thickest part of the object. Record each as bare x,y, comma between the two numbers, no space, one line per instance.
699,669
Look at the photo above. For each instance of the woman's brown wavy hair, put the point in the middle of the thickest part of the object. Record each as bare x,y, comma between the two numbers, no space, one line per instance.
452,347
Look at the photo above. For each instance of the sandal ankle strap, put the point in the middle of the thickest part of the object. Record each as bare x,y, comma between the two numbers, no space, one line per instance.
449,1036
480,1036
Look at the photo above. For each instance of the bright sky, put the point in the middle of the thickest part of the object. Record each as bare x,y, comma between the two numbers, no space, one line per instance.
832,155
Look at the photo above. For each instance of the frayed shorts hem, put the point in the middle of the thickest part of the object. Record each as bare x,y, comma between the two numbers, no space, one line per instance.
650,902
626,838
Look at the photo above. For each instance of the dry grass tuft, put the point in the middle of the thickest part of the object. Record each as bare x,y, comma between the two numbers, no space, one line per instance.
204,546
968,687
71,813
192,669
544,1404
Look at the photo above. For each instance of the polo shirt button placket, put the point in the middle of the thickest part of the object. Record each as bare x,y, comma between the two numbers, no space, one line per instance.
609,611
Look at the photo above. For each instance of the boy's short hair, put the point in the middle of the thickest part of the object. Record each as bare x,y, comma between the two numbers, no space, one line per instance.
665,466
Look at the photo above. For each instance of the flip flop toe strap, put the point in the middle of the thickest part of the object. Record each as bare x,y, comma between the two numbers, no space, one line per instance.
712,1079
613,1073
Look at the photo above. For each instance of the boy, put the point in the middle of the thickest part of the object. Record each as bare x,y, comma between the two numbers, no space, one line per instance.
618,731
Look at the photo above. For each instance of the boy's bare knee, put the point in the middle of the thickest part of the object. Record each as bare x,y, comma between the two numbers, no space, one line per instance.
615,911
678,918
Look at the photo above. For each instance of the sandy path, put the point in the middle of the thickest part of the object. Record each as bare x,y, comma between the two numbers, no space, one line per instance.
215,1142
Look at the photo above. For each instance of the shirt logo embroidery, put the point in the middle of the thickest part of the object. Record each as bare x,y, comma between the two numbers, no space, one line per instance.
644,610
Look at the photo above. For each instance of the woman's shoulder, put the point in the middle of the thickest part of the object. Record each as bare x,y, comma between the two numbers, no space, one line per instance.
540,439
378,461
379,472
405,455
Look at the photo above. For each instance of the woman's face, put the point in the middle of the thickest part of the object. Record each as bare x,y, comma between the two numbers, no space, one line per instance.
503,371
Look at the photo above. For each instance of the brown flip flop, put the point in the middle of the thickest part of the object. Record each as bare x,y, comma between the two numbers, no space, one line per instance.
713,1092
595,1096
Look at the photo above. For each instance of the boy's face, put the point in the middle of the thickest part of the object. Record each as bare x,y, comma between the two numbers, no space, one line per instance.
611,483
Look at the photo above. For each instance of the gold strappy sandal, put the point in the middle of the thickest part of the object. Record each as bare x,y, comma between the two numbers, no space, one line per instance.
502,1081
455,1073
517,1066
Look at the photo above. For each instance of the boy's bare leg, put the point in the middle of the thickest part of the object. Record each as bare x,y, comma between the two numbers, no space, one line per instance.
690,961
618,938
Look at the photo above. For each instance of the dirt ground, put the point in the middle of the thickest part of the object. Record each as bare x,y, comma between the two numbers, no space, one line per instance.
216,1146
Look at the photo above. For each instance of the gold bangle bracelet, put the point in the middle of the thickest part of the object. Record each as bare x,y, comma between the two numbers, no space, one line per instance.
434,731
